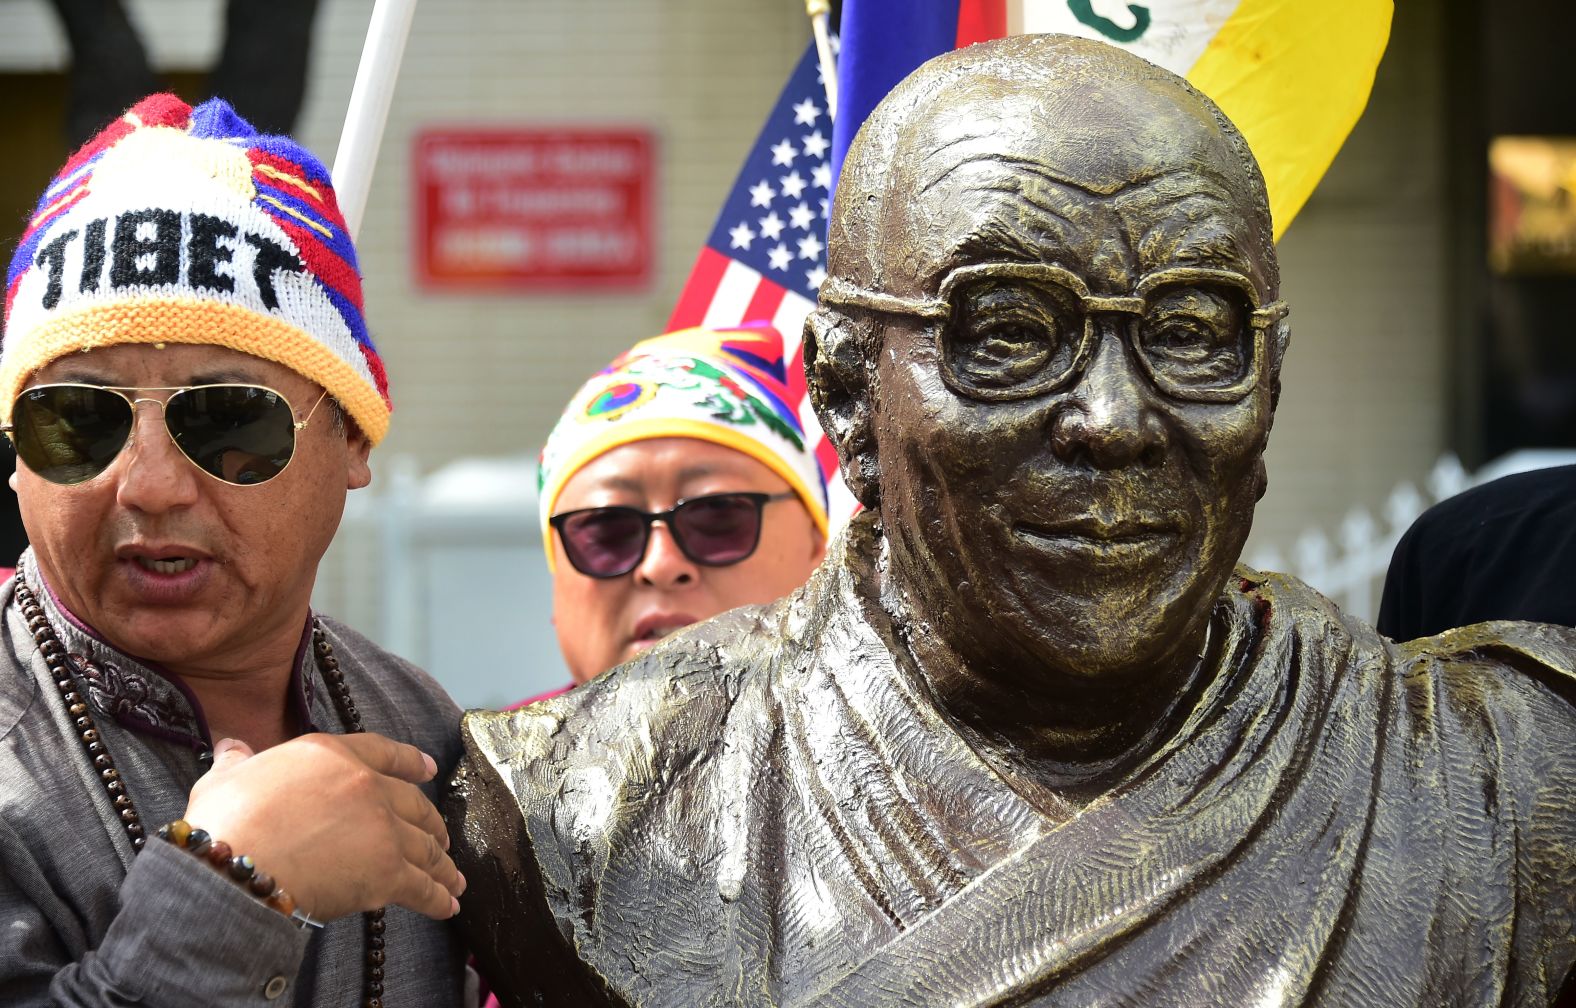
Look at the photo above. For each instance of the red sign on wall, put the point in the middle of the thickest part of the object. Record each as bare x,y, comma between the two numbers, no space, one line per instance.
543,209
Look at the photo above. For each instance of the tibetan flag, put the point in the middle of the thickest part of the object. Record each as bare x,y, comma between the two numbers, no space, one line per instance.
766,255
1294,75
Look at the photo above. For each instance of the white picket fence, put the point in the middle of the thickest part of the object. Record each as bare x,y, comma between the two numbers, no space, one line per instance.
1349,565
448,569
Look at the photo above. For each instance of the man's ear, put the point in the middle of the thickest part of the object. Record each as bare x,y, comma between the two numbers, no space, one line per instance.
841,385
357,452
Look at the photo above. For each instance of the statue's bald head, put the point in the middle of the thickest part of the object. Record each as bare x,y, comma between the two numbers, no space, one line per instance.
1034,149
986,127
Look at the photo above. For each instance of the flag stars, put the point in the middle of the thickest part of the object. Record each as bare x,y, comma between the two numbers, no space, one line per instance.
780,257
783,153
793,185
761,194
814,277
802,216
823,208
806,112
810,247
742,236
821,175
772,226
815,144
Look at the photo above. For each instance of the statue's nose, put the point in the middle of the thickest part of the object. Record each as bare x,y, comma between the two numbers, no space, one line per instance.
1108,420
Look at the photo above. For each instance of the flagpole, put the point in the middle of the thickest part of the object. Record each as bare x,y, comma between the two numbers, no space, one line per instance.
369,107
820,12
1014,11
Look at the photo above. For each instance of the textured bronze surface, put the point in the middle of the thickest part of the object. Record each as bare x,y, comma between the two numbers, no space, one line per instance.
1027,737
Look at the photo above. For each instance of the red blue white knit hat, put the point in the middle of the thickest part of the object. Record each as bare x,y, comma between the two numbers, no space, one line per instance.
727,386
182,225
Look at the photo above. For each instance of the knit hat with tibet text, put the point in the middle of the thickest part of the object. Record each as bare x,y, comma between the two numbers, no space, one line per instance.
184,225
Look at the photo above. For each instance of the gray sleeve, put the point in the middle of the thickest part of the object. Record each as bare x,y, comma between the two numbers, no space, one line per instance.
184,935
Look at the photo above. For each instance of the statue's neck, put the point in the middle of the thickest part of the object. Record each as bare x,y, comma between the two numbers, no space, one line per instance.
1059,740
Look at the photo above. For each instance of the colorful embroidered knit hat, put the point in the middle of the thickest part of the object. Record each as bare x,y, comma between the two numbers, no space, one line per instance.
727,386
182,225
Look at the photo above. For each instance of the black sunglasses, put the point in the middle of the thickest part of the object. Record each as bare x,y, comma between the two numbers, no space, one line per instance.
241,434
714,531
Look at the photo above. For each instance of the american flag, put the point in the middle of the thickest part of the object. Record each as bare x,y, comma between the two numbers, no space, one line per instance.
766,256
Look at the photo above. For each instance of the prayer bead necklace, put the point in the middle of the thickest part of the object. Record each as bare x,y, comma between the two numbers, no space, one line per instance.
82,720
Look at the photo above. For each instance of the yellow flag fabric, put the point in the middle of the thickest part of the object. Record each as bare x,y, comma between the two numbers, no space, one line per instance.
1294,75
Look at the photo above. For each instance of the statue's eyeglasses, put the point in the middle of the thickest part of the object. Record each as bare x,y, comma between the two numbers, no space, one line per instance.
1007,331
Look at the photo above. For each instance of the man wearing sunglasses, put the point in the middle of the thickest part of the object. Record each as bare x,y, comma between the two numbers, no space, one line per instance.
1029,736
208,794
677,485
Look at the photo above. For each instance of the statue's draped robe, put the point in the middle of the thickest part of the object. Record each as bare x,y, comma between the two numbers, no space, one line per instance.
768,810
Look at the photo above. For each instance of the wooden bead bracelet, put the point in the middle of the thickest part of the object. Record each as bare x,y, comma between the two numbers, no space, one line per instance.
239,867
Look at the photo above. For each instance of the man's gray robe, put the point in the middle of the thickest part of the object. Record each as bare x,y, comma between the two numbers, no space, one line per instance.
86,922
769,810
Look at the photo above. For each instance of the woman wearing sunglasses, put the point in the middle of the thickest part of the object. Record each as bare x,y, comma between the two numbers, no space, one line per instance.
677,485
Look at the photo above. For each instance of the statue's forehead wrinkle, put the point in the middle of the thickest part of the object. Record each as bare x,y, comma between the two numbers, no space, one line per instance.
1037,172
995,240
1199,222
1078,155
1020,209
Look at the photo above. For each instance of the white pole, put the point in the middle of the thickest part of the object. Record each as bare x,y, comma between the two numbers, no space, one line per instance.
369,107
1016,17
820,12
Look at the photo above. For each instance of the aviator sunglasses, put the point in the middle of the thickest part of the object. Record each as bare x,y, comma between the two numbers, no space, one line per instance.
241,434
714,531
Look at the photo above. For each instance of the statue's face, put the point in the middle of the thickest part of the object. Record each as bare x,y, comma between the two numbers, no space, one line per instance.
1074,389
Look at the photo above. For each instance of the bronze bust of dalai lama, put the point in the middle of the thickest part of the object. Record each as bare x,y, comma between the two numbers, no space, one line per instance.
1030,736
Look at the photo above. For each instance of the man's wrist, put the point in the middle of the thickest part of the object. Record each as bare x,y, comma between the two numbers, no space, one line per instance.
240,868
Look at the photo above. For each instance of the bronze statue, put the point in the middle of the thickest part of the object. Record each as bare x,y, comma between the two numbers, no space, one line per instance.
1027,736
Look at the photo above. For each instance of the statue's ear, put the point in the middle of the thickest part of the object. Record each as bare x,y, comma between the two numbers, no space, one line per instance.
1279,342
842,390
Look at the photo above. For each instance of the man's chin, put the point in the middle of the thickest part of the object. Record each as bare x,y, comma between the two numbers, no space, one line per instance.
166,634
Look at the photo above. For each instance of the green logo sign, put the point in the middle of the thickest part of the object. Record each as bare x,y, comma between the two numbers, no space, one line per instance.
1083,10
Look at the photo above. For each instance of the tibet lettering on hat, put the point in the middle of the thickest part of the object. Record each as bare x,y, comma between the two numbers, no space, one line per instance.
183,225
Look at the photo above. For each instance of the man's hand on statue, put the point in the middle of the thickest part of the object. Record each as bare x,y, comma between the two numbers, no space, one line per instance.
337,820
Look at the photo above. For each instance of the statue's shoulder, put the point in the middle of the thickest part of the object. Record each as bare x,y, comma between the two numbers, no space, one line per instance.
569,814
1525,670
678,695
1502,670
689,680
1497,705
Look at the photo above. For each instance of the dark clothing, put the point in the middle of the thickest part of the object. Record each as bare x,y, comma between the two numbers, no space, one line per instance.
1503,550
769,809
85,922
